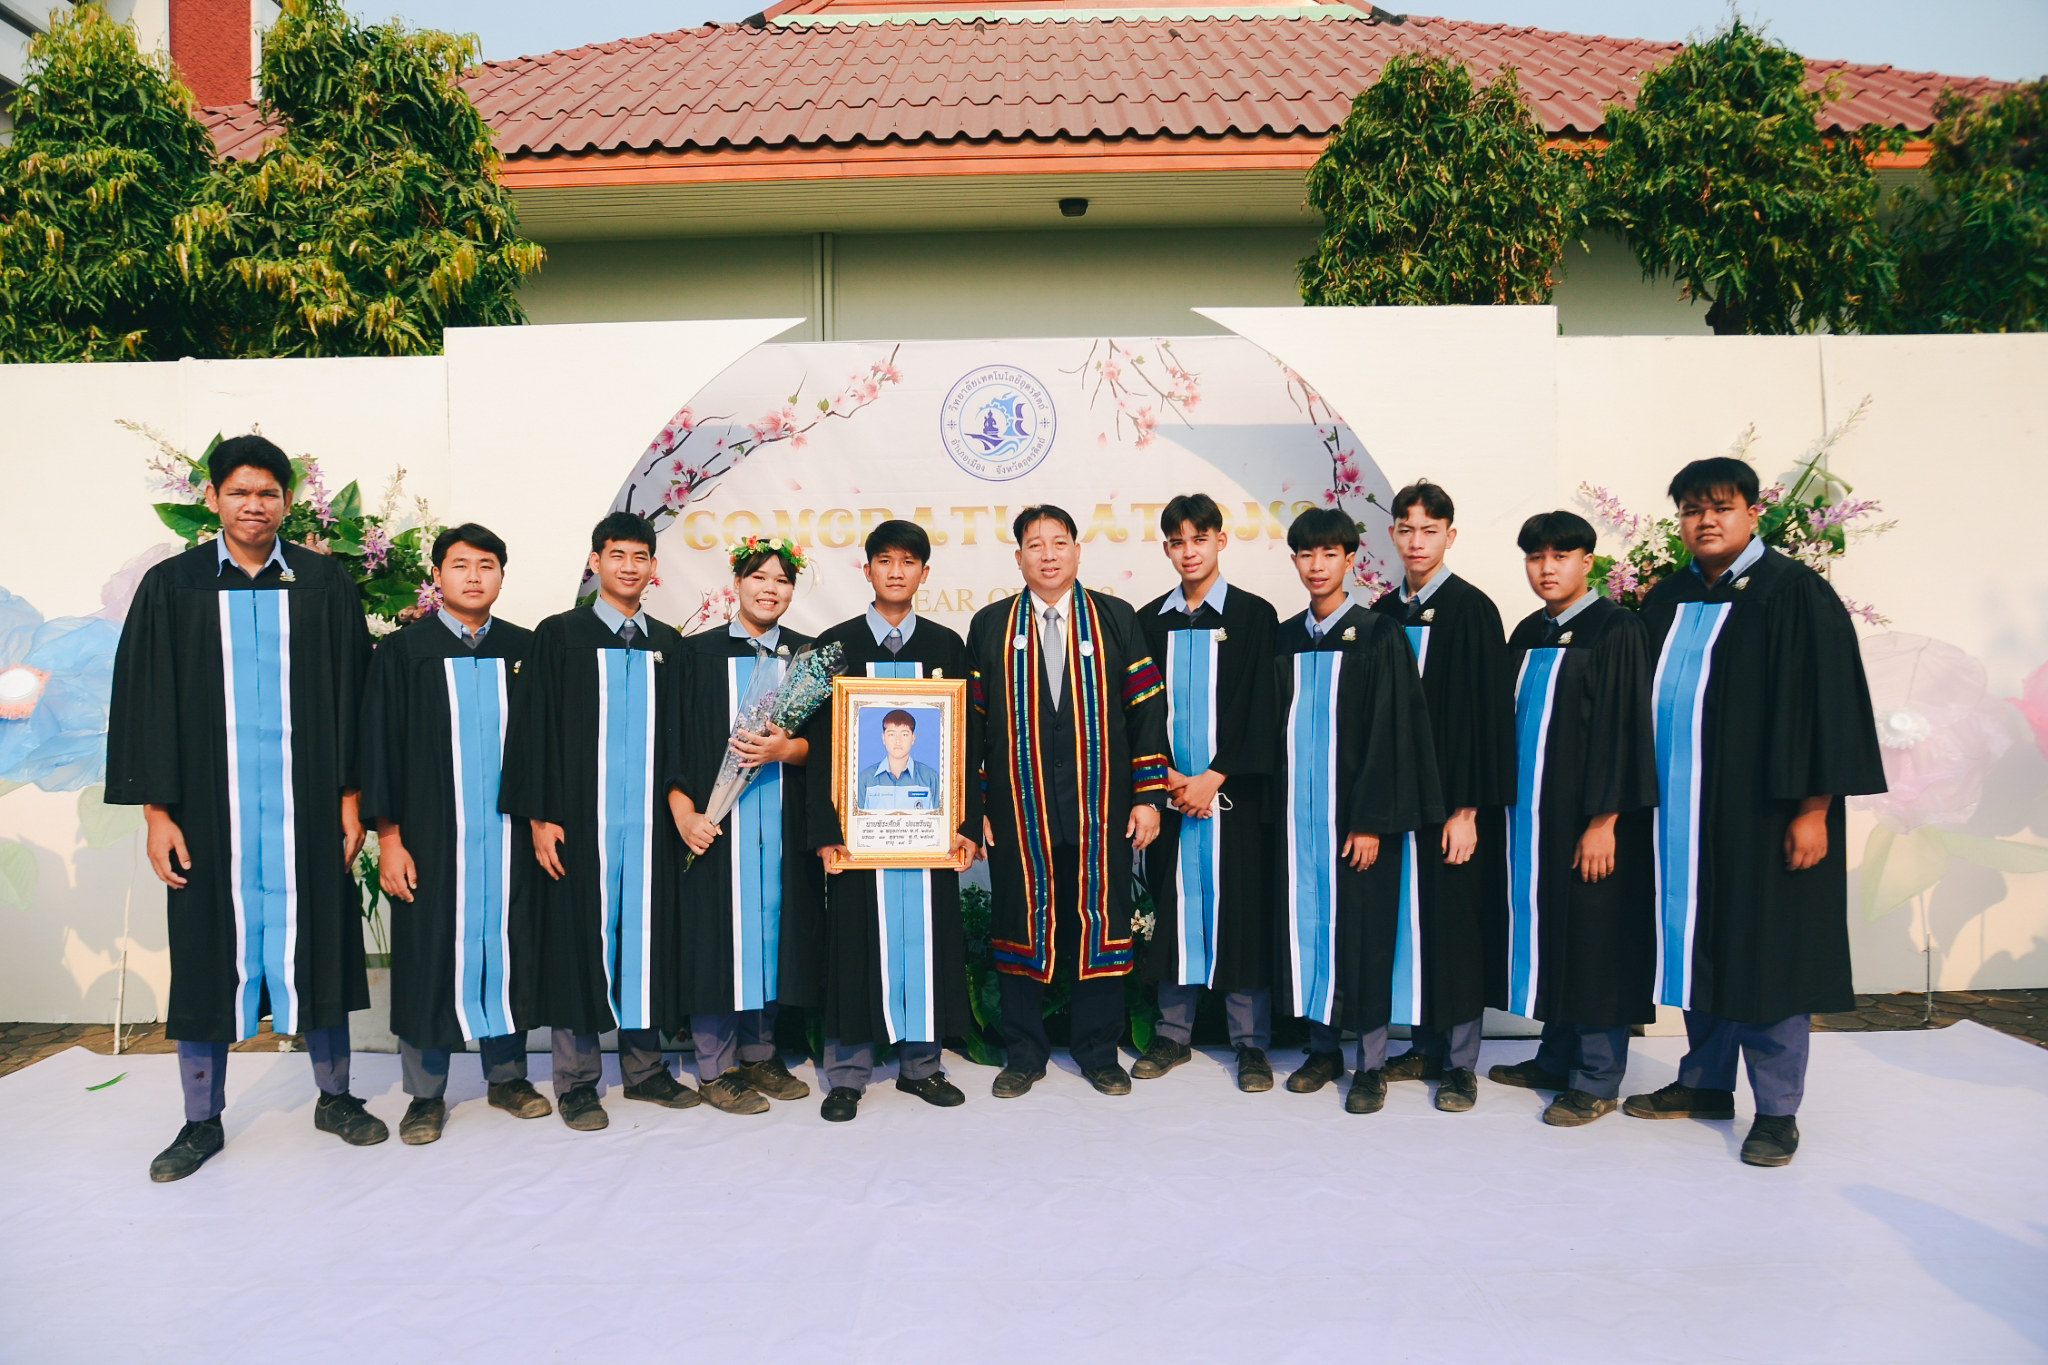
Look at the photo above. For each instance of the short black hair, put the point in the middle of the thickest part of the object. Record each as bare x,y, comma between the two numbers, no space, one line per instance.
898,534
1043,512
469,533
1559,530
249,452
900,717
628,528
1320,526
1435,503
1191,509
746,564
1703,478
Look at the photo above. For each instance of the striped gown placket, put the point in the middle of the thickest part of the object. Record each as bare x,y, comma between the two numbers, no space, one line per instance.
483,847
1312,832
1407,993
1684,667
263,876
903,906
756,863
625,829
1535,696
1191,659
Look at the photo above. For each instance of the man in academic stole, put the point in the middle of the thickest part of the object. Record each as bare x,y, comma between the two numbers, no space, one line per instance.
1451,934
1763,726
1356,775
1067,728
895,966
1582,919
592,731
233,723
456,872
1210,869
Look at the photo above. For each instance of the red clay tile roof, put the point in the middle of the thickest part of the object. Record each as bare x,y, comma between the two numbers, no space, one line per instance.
848,83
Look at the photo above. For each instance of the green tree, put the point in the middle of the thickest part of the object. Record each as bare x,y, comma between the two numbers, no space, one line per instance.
106,154
1974,252
1434,191
1721,177
375,218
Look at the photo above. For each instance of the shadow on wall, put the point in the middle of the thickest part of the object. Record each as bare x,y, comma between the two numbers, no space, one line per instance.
82,903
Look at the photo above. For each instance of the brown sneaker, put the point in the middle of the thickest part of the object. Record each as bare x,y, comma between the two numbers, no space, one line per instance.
772,1079
520,1100
1576,1108
732,1094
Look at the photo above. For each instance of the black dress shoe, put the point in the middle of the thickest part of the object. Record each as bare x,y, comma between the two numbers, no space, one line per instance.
772,1078
933,1089
1576,1109
1528,1076
1414,1066
1254,1072
580,1109
1459,1090
195,1143
1772,1140
665,1090
1318,1071
1676,1101
842,1103
344,1116
424,1119
520,1100
1368,1093
1108,1080
1013,1081
1163,1056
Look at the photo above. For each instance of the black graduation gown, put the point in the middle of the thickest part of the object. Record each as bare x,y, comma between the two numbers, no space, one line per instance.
1112,688
1355,759
711,913
464,963
854,1010
1470,692
1583,952
208,733
1785,715
1232,700
607,928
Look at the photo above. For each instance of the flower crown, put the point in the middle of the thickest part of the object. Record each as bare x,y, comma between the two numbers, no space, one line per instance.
782,547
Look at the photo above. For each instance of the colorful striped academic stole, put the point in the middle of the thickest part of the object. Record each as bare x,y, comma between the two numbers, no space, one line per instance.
1679,703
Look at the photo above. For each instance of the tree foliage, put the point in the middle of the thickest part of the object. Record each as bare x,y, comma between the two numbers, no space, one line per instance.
375,218
1434,191
1721,177
1974,252
106,154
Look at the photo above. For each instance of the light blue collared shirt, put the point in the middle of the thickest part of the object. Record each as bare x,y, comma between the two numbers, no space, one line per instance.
1586,599
613,618
1751,553
768,637
463,632
1177,600
879,624
276,556
1316,628
1436,580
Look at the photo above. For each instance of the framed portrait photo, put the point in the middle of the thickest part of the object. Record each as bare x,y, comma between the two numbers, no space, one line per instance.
898,750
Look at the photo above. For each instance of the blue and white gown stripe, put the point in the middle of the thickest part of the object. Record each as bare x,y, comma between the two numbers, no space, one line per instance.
756,863
903,907
483,847
1679,694
1312,833
256,671
1191,657
1535,696
625,828
1407,996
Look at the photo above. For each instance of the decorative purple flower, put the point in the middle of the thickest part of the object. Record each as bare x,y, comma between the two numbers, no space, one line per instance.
316,493
1939,733
428,599
376,548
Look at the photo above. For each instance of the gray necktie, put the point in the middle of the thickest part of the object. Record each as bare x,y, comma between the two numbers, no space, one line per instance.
893,641
629,632
1049,638
472,638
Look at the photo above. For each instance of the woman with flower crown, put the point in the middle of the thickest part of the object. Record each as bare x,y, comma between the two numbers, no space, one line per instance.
752,899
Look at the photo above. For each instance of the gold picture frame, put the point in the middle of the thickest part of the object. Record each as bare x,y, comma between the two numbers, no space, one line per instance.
912,803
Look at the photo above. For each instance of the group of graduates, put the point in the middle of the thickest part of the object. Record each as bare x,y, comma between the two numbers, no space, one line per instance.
1365,816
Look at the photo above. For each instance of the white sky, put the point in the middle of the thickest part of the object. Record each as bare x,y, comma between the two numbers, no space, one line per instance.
2003,38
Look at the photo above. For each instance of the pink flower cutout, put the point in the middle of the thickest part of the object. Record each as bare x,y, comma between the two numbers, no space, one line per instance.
1939,733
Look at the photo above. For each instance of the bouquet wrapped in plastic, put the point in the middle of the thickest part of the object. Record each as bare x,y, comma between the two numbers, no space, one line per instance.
806,685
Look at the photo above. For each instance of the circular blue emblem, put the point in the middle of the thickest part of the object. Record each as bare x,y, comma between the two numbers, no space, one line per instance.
998,423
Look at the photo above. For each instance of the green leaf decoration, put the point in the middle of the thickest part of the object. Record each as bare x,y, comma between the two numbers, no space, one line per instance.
19,873
104,1084
2001,855
347,505
190,521
1898,867
103,824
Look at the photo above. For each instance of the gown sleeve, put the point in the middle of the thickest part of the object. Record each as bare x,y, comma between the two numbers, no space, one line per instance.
1475,755
1821,738
528,786
822,824
381,734
703,735
1144,716
142,716
960,666
351,646
977,724
1248,727
1620,759
1396,786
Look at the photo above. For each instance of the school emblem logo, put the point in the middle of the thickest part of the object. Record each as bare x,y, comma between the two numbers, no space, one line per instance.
998,423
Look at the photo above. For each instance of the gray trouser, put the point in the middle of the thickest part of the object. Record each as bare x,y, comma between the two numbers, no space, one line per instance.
1372,1046
1455,1046
735,1036
577,1060
203,1067
426,1068
1249,1014
1591,1057
1775,1053
853,1064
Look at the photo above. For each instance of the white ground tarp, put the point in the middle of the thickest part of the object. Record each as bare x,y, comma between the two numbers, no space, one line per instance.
1184,1223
